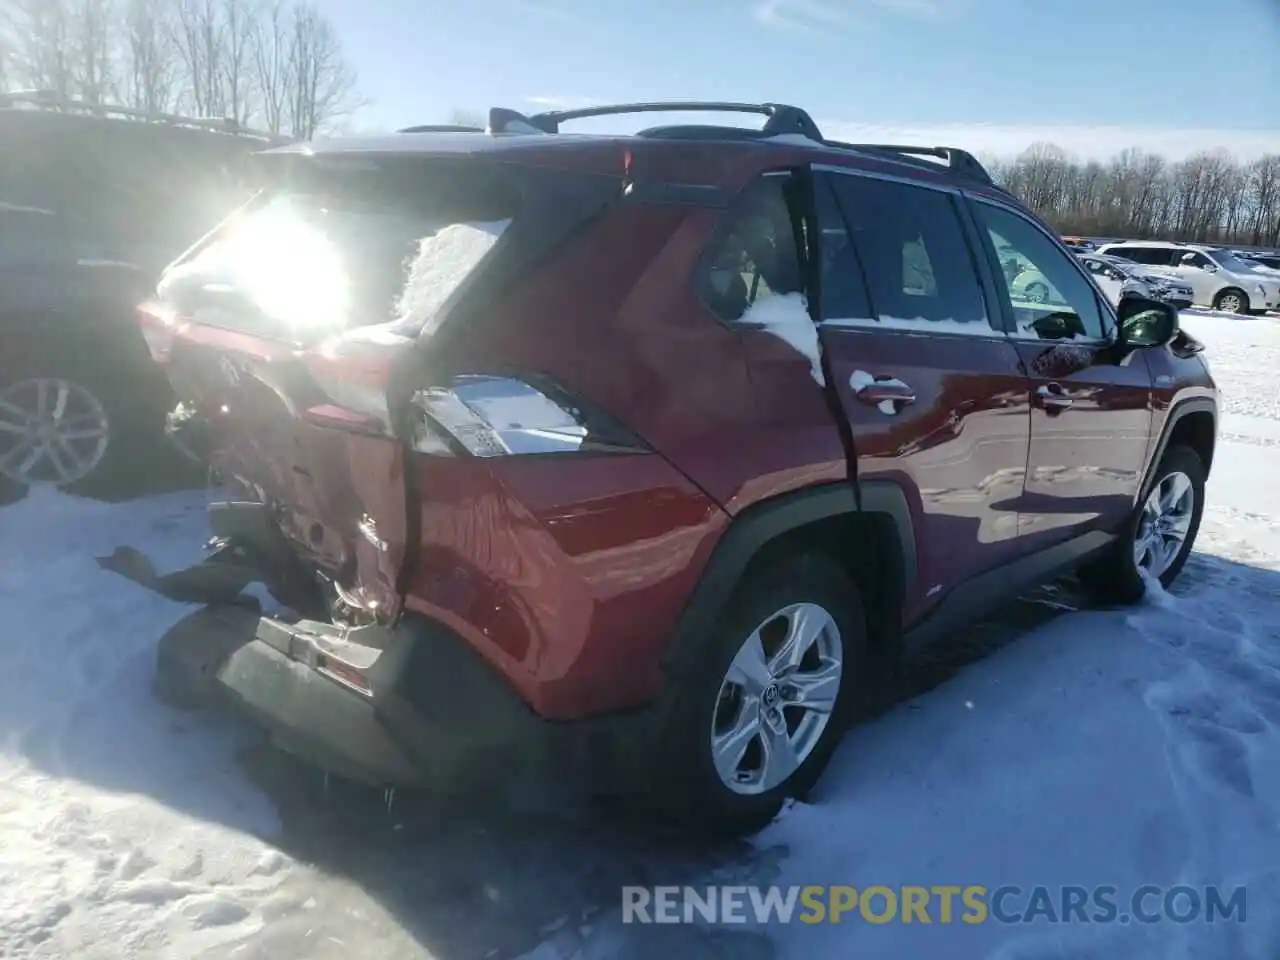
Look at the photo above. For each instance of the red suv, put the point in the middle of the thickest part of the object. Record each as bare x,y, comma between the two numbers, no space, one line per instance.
637,455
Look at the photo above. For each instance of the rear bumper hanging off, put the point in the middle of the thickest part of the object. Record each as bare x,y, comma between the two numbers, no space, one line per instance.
406,705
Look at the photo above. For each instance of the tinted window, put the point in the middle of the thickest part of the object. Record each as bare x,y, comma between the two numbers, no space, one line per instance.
843,283
756,255
914,253
1050,297
1192,258
1156,256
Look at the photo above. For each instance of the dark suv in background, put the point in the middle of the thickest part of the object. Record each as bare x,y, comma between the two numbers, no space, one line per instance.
643,454
94,202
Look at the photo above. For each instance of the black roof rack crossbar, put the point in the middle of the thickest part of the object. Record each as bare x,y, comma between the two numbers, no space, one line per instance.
958,161
782,119
441,128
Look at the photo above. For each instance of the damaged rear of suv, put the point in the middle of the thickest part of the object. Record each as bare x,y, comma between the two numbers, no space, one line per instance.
633,456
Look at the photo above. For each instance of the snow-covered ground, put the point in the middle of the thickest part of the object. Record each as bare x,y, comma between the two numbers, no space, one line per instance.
1102,747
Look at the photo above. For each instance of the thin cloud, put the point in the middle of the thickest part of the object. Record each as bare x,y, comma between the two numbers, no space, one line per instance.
822,17
803,16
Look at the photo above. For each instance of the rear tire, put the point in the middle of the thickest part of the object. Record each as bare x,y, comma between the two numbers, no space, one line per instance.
721,695
1116,575
111,399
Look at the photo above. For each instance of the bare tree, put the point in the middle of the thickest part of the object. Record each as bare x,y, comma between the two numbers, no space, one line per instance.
93,48
1263,190
150,68
1207,197
322,81
43,44
199,37
238,23
273,64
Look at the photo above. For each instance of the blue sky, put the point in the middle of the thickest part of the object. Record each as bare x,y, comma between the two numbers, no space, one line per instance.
991,75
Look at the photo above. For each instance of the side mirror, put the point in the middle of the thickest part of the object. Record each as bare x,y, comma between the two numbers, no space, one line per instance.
1146,323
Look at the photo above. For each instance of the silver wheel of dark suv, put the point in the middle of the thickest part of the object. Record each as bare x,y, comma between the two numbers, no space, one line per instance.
53,431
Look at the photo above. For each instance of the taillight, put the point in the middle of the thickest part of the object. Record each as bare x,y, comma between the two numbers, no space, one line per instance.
157,323
355,381
490,416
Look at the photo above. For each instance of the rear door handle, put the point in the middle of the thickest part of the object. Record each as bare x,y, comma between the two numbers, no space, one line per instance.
875,393
1051,397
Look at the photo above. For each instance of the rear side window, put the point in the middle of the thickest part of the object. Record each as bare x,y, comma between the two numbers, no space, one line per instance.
1156,256
913,251
328,253
756,256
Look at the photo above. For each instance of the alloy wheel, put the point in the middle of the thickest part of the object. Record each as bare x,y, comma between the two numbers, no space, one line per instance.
52,431
1037,292
777,698
1164,524
1230,303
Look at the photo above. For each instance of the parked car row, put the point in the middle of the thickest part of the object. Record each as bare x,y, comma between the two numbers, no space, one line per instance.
643,457
1271,261
1219,279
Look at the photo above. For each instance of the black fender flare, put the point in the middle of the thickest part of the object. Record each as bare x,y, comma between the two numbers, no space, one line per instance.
757,526
1180,410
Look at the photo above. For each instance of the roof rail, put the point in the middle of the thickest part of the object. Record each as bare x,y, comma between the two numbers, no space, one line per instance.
782,119
51,100
441,128
958,161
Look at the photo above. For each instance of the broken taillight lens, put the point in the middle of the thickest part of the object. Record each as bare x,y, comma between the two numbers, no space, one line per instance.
493,416
157,323
355,379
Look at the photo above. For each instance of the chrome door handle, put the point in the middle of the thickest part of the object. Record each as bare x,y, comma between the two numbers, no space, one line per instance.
893,390
1052,397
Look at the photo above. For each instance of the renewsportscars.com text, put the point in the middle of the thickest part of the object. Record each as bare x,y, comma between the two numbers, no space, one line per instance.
973,904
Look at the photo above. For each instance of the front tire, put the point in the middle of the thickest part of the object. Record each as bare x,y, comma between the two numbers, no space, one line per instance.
1159,537
1232,301
758,712
1037,292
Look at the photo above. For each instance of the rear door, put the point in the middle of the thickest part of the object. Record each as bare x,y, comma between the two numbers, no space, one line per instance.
1091,407
932,389
286,327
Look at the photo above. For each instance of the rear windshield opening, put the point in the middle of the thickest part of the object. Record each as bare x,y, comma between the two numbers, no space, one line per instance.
329,250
